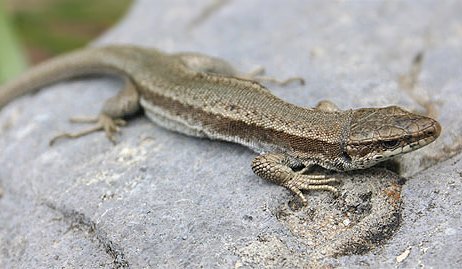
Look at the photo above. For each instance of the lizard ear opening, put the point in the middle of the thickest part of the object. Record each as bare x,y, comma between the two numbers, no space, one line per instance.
346,157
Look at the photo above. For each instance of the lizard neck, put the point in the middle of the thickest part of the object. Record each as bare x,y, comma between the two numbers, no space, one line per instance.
323,140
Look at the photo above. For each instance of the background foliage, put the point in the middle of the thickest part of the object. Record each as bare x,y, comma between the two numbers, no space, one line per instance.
34,30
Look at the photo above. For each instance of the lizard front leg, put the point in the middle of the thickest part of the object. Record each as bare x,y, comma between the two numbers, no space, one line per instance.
110,119
327,106
277,168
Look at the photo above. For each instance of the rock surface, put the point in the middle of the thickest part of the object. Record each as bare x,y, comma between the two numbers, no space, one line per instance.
163,200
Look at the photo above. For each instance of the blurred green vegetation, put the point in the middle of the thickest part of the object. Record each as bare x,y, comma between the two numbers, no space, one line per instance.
12,60
45,28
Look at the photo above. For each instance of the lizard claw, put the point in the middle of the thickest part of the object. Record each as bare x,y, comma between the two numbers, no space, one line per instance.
311,182
101,123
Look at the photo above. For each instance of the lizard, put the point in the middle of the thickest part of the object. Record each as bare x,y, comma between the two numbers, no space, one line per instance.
204,96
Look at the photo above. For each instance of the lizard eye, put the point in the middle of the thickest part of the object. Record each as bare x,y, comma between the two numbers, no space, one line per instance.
390,144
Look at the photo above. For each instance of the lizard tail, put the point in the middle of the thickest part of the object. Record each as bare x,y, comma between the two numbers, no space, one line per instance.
74,64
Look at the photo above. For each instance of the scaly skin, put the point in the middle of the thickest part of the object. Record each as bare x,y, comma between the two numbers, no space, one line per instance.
204,96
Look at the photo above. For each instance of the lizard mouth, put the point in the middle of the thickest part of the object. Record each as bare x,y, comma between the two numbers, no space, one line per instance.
427,135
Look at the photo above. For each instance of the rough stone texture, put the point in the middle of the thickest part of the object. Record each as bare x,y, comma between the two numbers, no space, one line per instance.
160,199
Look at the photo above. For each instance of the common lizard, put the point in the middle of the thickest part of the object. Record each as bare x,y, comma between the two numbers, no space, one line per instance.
203,96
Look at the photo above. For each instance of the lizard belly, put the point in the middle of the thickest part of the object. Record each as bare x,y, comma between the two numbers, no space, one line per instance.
187,124
168,120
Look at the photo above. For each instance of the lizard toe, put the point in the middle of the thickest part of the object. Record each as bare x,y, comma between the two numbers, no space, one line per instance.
311,183
101,123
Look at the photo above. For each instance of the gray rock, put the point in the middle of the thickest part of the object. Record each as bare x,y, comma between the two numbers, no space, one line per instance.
165,200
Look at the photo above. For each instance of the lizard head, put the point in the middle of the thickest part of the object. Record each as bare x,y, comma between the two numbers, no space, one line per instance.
378,134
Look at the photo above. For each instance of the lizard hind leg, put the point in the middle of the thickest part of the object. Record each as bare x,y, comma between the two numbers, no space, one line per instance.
258,74
101,123
110,119
208,64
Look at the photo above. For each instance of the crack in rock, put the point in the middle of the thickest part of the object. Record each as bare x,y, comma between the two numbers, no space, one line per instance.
80,220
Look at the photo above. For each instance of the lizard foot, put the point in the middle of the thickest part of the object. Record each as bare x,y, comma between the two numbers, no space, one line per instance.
258,75
101,123
310,182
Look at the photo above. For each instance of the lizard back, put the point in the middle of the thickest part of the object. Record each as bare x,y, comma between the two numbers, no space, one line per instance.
237,110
